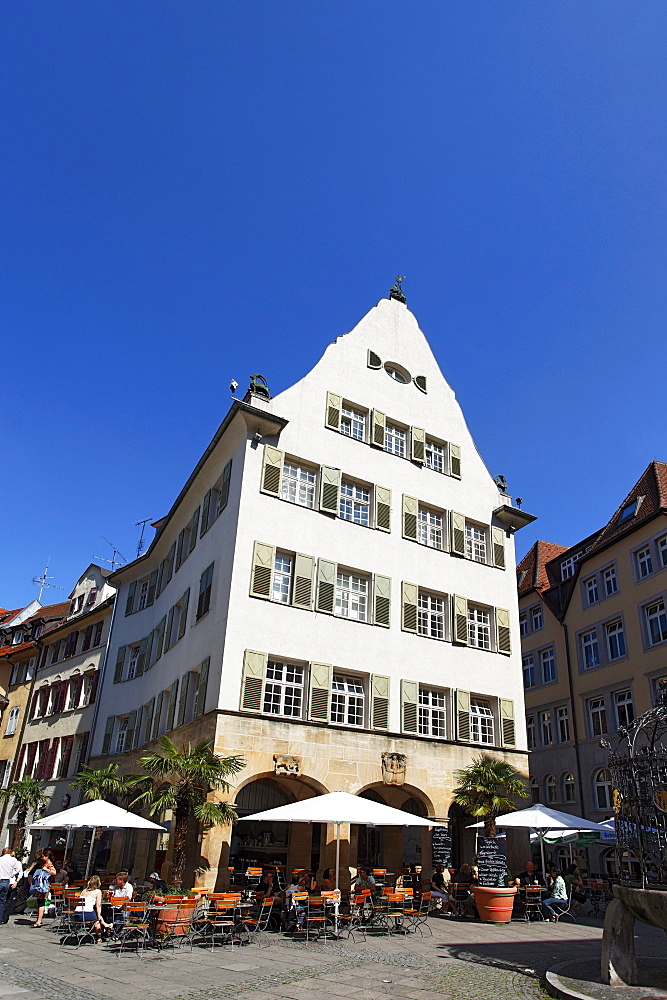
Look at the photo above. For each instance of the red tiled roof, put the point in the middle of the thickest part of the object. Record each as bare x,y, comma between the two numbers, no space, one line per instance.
8,615
533,566
651,491
52,611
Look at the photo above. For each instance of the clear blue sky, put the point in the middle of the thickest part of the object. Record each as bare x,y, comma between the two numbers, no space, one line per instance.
197,191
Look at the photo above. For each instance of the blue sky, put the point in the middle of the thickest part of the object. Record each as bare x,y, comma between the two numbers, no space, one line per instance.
197,191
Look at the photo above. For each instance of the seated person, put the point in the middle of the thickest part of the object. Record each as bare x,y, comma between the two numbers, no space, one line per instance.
90,910
158,886
464,878
558,896
439,886
364,880
268,884
308,883
329,880
531,876
574,885
121,887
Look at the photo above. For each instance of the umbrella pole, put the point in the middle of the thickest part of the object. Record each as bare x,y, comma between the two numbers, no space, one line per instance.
336,904
90,852
544,870
67,843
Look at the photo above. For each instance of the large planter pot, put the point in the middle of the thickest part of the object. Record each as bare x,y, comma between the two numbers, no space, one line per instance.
494,905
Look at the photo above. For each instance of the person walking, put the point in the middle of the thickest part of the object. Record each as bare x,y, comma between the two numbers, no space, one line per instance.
10,873
42,873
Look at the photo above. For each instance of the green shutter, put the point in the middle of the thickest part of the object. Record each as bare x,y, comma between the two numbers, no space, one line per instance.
420,382
458,534
160,576
460,630
120,663
329,489
463,716
171,556
498,544
373,360
144,647
409,706
418,437
131,730
272,470
319,691
304,577
129,604
171,710
410,511
159,637
381,600
157,715
179,548
409,606
252,686
507,727
139,724
379,701
200,700
205,507
326,586
194,528
332,418
185,684
224,489
152,586
150,708
185,600
167,631
263,558
454,461
503,631
382,497
108,730
378,423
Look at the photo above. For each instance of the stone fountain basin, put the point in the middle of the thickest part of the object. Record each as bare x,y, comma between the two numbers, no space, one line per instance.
647,905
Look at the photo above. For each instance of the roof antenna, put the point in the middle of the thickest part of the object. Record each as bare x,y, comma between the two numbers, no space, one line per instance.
43,582
143,524
117,559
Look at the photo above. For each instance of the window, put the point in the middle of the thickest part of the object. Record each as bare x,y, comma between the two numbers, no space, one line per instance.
546,734
591,589
97,634
5,771
298,485
14,676
568,787
523,624
628,512
479,628
597,715
590,650
354,503
536,618
87,637
481,721
603,789
432,713
656,622
430,528
434,456
30,669
610,581
17,638
92,597
121,735
548,662
624,708
662,551
530,732
563,723
353,423
87,689
431,616
70,644
347,701
615,640
394,440
133,659
142,594
351,596
550,788
644,562
528,672
283,690
567,566
282,579
475,543
12,720
204,600
534,791
187,539
73,692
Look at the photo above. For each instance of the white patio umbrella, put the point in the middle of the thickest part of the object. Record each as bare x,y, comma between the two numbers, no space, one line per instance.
338,808
95,815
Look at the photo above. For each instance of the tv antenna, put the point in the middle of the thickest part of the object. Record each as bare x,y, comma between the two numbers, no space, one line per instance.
143,524
43,582
117,559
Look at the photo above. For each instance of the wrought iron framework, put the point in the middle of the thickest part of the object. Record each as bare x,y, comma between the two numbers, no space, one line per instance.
638,767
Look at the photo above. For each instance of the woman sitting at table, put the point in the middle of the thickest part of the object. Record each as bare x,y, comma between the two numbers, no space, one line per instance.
90,908
575,885
328,880
558,894
308,883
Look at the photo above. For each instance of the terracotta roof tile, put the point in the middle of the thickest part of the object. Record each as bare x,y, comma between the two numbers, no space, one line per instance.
651,492
531,571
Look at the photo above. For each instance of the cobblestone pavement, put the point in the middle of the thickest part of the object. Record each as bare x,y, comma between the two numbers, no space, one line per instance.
461,960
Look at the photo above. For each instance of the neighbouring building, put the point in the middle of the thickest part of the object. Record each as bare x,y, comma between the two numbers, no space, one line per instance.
594,637
332,596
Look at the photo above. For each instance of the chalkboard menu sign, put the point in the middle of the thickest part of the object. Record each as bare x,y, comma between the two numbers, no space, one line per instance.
492,862
441,848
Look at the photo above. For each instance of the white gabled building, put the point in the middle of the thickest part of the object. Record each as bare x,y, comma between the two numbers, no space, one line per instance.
332,595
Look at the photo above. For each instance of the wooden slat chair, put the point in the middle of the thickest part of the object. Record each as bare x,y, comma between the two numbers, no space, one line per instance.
252,877
118,903
177,924
352,919
218,924
300,907
70,926
136,927
380,876
316,917
418,915
254,927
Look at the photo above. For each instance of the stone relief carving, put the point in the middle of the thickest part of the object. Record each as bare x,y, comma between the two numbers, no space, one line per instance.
286,765
393,768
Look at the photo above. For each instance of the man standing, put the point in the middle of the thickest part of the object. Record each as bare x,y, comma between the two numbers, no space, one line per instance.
10,872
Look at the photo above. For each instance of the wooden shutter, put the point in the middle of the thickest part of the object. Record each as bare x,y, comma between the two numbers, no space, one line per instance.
21,758
460,614
332,418
152,587
185,600
159,638
455,461
120,663
32,752
410,512
304,576
167,631
51,759
498,545
171,710
420,382
142,658
185,684
272,471
319,694
507,727
458,535
409,606
224,488
373,360
108,730
409,706
194,527
381,600
200,698
171,555
418,436
326,586
329,489
131,731
205,507
261,578
93,686
179,548
503,631
148,715
252,686
157,715
382,497
378,424
463,715
129,603
379,701
66,756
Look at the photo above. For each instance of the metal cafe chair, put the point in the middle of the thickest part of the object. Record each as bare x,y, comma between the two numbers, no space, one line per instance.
136,927
254,927
418,915
460,899
352,919
533,903
219,923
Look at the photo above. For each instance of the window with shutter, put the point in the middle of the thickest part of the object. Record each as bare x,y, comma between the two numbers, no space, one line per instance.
373,360
204,599
120,662
503,631
418,436
171,710
382,600
152,587
508,729
185,684
144,648
463,715
183,605
378,425
147,721
157,717
460,612
409,706
205,508
65,757
252,686
379,701
409,601
458,535
108,730
498,545
319,691
129,603
304,575
332,418
330,489
131,732
326,586
223,498
410,511
455,461
194,530
202,683
168,629
382,497
262,570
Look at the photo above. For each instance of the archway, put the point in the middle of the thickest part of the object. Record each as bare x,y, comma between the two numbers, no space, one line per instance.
370,839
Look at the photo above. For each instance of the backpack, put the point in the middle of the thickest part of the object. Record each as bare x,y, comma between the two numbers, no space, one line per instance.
40,882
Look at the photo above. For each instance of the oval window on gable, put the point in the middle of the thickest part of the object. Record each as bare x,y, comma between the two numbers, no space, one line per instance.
398,373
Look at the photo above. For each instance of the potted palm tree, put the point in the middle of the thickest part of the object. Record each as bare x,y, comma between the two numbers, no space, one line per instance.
485,788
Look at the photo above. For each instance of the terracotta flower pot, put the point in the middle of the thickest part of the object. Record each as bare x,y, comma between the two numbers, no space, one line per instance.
494,905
